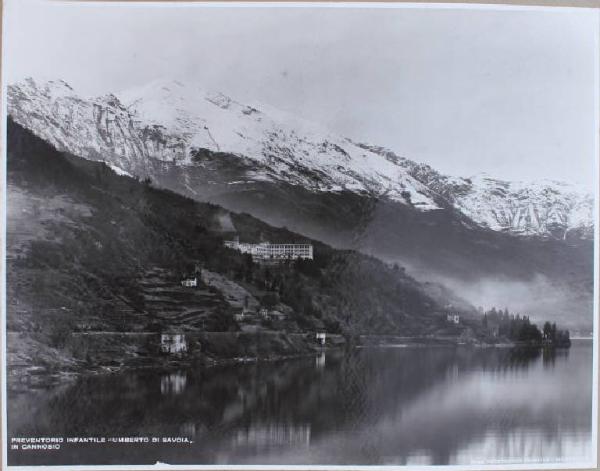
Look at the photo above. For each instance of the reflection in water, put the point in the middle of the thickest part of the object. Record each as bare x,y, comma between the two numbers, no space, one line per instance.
276,434
549,355
188,429
517,446
173,383
361,406
320,361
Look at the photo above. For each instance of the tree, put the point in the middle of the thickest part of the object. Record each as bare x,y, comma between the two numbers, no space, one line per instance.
563,338
547,330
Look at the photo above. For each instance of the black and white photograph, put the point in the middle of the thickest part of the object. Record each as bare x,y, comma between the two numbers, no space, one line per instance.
310,235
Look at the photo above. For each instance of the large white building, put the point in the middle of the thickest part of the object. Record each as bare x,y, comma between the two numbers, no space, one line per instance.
268,251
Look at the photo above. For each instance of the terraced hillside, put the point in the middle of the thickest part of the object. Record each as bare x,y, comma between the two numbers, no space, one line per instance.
181,308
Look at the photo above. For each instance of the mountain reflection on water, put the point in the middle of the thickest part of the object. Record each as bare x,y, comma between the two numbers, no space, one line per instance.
361,406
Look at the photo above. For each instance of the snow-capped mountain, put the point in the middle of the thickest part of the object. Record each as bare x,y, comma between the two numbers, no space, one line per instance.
528,208
542,207
170,123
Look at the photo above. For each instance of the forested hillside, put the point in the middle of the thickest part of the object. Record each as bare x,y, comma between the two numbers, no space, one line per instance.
90,250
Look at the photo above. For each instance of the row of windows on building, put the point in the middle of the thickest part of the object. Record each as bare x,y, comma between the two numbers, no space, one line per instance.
268,251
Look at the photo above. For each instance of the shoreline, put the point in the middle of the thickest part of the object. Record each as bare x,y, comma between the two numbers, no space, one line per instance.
99,353
28,377
55,379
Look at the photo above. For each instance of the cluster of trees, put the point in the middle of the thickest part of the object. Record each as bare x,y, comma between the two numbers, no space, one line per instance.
340,291
504,324
325,293
560,338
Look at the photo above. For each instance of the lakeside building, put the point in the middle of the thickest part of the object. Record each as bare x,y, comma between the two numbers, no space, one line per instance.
453,318
173,343
265,251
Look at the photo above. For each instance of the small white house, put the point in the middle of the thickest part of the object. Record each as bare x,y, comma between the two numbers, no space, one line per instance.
264,313
173,343
321,337
453,318
243,315
189,282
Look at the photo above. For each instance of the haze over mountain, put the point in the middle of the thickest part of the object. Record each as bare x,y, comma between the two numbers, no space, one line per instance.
288,171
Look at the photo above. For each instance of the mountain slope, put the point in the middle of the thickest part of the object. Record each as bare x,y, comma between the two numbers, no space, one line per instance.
525,246
91,251
537,208
167,122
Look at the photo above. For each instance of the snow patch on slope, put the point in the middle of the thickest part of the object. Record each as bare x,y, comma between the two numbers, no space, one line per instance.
118,170
527,208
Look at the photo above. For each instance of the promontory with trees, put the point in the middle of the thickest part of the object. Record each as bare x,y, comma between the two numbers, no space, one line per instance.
517,328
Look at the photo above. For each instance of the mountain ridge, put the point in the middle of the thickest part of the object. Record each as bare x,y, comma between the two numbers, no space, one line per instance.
168,122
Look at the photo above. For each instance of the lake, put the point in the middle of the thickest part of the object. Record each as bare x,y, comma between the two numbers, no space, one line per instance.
380,405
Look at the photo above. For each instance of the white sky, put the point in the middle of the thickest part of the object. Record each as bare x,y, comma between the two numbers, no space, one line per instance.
508,92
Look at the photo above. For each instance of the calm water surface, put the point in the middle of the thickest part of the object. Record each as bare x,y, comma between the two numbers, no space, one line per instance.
362,406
